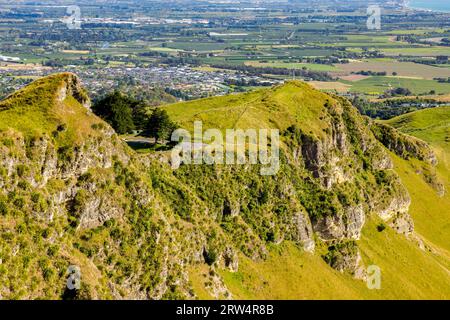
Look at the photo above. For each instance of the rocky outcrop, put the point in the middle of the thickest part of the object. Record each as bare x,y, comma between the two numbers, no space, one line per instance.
402,223
321,158
396,205
72,87
36,161
403,145
95,212
303,233
345,226
216,287
345,257
229,259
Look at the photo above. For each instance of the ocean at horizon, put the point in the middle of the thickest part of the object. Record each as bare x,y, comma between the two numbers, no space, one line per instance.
434,5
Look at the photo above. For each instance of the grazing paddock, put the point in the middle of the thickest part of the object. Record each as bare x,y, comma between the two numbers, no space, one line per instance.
417,52
292,65
378,85
354,77
440,98
18,66
403,69
338,86
83,52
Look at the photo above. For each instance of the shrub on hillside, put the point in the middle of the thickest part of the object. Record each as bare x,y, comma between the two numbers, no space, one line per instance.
117,110
159,125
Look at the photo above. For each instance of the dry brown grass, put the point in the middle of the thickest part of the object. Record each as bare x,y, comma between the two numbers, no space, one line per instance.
18,66
354,77
322,85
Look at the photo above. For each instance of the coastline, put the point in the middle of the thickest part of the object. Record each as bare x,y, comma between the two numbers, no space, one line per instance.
415,7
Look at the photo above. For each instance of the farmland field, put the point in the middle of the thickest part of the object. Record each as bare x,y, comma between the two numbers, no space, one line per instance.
293,65
417,51
330,86
378,85
262,45
405,69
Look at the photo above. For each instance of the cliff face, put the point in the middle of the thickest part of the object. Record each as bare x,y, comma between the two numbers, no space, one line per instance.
408,147
73,194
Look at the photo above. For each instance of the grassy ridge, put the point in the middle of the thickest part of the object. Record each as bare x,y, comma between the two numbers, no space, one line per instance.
431,213
431,125
36,110
278,108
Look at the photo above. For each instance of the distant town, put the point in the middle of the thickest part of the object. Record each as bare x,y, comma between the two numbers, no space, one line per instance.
199,49
190,82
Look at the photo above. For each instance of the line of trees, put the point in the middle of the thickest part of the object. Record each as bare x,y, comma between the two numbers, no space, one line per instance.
373,73
391,108
443,80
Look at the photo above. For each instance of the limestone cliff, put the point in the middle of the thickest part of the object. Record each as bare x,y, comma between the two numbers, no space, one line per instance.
72,193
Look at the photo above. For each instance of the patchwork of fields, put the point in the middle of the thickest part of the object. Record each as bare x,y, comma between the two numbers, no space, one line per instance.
402,69
378,85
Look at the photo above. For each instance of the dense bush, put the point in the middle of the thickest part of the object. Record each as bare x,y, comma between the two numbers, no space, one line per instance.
117,110
159,126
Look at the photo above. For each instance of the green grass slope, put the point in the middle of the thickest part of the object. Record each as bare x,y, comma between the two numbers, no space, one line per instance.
431,125
162,222
430,212
408,272
41,107
279,107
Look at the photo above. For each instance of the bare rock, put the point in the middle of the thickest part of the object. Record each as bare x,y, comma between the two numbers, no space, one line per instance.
340,227
304,234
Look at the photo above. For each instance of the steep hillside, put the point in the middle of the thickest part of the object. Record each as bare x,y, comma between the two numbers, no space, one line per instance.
430,211
431,125
74,194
